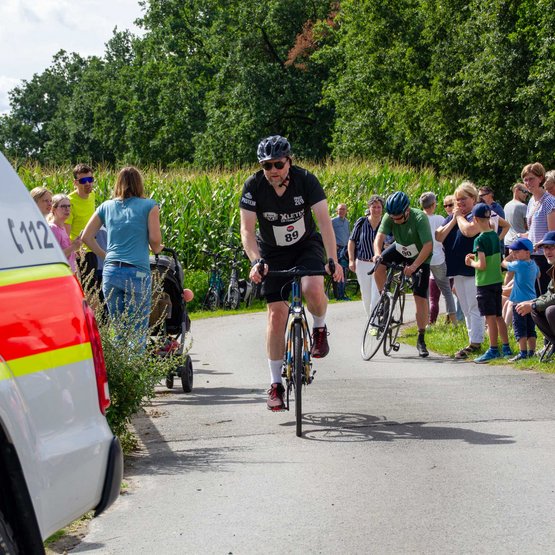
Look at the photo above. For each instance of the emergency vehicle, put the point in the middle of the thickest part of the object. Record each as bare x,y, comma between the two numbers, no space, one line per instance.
58,456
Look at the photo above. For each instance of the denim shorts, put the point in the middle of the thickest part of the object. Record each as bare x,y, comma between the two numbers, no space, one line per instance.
523,326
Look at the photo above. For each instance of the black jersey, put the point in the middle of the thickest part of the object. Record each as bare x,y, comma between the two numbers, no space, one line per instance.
286,220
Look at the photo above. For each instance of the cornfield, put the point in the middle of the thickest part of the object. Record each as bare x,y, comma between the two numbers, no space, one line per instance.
201,209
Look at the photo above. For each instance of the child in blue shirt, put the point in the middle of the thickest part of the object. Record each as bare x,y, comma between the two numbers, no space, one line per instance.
525,272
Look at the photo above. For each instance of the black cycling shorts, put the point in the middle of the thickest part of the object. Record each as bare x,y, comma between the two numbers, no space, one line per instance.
420,279
309,254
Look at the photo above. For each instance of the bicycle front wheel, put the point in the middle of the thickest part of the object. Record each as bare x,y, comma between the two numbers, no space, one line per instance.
233,298
376,327
298,370
397,310
212,301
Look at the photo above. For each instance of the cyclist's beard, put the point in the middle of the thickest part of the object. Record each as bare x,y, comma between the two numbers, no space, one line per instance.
281,182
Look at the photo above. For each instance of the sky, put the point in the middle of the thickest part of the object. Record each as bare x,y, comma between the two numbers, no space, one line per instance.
32,31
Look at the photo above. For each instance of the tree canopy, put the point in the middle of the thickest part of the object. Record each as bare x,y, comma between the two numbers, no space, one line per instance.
464,86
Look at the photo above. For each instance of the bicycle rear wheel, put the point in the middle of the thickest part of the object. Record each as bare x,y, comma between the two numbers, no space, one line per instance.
212,300
376,327
298,371
397,311
233,298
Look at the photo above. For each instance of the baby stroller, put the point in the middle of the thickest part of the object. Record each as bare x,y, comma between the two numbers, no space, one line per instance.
169,317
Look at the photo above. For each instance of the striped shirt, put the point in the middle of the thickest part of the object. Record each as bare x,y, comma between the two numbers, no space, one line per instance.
363,236
536,216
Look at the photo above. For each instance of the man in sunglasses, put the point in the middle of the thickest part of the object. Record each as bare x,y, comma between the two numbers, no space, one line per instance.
287,201
82,201
515,214
413,246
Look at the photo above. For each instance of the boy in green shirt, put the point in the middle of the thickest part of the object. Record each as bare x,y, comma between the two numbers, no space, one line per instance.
486,260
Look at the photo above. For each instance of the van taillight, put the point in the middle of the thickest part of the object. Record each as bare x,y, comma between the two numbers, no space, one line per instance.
98,359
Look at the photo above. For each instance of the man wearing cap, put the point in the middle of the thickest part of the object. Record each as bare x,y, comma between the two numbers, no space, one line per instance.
525,272
438,268
543,307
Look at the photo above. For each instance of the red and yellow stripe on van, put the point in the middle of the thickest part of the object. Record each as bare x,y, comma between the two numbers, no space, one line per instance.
42,322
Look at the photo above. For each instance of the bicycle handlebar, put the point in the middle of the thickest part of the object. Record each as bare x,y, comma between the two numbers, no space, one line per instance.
297,271
396,266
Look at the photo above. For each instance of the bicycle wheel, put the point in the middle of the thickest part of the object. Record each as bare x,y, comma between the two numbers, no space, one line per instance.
298,370
329,287
397,311
376,327
212,301
233,298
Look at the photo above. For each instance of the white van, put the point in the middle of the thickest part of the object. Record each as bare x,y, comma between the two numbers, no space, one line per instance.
58,456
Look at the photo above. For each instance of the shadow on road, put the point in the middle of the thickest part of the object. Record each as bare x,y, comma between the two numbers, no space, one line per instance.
355,427
216,396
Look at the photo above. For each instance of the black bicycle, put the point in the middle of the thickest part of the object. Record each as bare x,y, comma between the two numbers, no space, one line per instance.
297,363
352,287
384,324
232,297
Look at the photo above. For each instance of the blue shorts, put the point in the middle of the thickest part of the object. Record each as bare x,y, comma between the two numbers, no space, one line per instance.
523,326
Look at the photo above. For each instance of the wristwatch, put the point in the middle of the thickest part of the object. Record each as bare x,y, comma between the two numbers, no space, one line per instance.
533,305
256,262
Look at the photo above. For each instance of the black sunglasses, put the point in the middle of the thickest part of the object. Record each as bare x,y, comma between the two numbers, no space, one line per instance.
269,165
84,180
448,205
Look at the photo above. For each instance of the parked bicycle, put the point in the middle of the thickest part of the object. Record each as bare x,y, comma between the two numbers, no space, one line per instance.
352,287
297,363
232,298
384,324
215,294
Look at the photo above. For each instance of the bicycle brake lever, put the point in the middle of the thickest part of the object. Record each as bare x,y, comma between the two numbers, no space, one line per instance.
331,265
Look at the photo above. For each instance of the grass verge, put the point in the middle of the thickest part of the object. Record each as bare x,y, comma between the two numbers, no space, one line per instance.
447,340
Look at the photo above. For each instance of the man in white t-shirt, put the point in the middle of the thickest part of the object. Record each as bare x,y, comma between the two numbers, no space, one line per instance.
438,268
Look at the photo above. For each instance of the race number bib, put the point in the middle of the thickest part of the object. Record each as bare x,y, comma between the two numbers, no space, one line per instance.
289,234
408,251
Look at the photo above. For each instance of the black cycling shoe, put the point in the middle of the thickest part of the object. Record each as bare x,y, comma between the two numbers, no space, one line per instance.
422,349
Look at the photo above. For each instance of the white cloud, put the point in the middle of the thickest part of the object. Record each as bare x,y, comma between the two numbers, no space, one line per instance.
33,31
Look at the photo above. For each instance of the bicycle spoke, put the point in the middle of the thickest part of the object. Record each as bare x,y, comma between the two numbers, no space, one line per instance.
376,327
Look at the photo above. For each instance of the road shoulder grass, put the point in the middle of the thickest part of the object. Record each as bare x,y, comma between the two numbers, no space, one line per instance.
447,339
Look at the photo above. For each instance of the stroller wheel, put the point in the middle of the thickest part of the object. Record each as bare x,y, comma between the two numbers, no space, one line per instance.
169,380
186,373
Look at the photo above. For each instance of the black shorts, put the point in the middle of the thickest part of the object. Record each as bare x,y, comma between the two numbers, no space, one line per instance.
489,299
420,278
309,254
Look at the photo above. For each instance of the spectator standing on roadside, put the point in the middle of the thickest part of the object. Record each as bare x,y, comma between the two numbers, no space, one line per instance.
543,307
361,251
515,214
540,217
133,225
549,183
457,235
525,272
485,195
439,282
341,229
82,208
43,197
486,260
61,208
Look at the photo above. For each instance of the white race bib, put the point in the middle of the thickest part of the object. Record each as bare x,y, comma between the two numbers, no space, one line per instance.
289,234
408,251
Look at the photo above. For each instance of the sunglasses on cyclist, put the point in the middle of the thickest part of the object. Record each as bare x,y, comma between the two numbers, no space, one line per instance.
85,180
269,165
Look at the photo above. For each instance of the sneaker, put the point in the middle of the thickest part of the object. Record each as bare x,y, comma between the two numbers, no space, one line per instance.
490,354
275,397
320,347
469,349
422,350
519,356
506,351
345,298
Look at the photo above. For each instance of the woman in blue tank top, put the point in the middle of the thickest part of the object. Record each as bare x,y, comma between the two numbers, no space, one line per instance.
133,226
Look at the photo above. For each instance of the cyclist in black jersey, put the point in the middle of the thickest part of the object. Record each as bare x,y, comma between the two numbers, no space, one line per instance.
285,200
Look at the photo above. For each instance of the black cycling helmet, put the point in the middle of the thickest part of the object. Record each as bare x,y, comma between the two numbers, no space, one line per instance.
272,148
397,203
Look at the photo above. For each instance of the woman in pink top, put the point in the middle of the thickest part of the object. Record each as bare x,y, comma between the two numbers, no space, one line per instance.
60,213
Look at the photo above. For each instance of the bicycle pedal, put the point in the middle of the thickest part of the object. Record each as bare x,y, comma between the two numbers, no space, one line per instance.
396,347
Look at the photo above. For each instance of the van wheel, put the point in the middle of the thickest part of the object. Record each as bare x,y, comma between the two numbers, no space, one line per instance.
7,541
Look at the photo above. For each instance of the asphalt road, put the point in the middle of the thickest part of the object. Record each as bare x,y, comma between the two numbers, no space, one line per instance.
400,455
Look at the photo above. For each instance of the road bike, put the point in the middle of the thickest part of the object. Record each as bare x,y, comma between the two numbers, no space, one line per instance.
352,287
214,296
384,324
297,363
